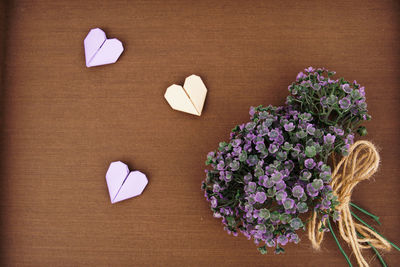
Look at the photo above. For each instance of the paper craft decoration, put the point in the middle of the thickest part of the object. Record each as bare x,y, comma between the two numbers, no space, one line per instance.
123,184
189,98
99,50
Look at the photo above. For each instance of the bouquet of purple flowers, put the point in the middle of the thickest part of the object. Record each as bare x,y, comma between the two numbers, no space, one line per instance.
275,168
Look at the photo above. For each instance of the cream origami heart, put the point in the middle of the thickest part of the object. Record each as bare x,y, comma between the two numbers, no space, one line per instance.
189,98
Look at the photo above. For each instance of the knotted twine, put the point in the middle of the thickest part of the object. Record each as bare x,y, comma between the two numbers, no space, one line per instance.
361,163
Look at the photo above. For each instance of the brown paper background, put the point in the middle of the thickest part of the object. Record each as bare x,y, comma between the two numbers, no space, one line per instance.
64,123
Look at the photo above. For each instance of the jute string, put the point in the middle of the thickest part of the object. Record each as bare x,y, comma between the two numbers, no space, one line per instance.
361,163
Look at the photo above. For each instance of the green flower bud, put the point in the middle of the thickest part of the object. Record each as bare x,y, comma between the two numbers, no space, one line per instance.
362,131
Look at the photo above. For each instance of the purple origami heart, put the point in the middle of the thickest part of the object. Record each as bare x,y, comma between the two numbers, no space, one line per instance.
99,50
123,184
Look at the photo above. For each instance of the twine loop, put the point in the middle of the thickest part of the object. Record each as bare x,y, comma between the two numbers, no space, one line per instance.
361,163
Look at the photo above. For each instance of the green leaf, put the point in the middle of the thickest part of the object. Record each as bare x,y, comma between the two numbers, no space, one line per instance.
362,131
279,250
236,129
231,221
263,249
222,145
310,151
237,196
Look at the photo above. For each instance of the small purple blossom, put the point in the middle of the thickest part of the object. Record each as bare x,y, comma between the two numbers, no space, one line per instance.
337,130
317,184
251,187
211,154
252,160
273,134
214,202
296,223
270,243
301,75
362,92
260,197
227,177
345,103
294,238
349,139
252,111
281,195
297,191
260,146
316,86
283,240
346,87
236,142
216,188
309,69
273,148
345,149
310,129
288,203
216,214
247,178
289,127
221,166
329,139
325,203
309,163
277,177
268,183
311,191
305,175
235,165
302,207
331,100
247,147
281,185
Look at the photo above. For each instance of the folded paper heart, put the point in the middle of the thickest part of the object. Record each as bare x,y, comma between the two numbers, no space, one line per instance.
123,184
99,50
189,98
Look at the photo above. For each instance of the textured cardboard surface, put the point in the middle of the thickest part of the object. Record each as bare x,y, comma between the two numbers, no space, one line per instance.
64,123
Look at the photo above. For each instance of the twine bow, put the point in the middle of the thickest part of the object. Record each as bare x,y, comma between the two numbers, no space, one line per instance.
361,163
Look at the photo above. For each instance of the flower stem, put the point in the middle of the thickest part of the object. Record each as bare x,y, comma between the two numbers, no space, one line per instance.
378,255
337,242
370,227
376,218
375,250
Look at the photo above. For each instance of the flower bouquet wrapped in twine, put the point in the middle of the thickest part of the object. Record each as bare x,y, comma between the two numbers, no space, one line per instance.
278,173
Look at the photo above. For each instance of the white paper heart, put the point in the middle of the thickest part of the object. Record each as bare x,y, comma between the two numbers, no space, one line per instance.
99,50
189,98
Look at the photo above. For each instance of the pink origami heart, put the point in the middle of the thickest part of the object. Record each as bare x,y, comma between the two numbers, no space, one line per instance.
99,50
123,184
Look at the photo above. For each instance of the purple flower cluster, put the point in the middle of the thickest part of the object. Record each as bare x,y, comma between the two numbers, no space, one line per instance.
274,168
270,172
336,103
